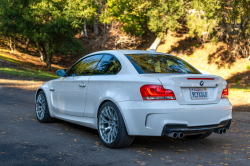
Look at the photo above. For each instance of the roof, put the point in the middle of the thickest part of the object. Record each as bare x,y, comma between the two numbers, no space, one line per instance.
128,51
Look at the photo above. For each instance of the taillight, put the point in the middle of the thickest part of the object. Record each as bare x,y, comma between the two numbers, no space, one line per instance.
156,92
224,93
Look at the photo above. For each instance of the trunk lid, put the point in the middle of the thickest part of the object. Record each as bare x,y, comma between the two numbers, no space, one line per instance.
183,86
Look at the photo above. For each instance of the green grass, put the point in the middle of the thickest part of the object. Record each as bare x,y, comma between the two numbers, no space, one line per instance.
4,57
246,88
27,73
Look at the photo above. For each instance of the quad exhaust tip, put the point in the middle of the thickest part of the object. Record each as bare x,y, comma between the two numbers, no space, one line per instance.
221,131
224,130
176,135
180,135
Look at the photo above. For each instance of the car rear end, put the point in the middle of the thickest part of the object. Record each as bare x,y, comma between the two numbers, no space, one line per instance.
185,102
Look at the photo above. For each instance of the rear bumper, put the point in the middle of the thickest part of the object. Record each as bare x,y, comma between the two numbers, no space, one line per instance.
150,118
194,130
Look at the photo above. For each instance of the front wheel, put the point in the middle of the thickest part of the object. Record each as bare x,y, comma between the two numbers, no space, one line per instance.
42,109
111,127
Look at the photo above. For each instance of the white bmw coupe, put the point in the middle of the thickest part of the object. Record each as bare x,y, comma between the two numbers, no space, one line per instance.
126,93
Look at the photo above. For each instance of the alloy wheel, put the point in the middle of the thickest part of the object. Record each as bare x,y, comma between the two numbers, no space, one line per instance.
108,124
40,106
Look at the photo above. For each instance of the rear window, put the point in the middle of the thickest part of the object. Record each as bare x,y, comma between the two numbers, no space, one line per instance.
159,63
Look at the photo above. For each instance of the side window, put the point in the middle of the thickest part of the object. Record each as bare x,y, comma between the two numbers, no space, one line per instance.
108,65
85,66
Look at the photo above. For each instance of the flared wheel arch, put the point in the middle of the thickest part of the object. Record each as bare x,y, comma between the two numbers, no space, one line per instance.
100,106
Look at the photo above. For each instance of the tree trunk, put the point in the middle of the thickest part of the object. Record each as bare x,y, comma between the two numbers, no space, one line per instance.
242,26
155,44
12,50
48,56
49,60
84,31
14,43
44,52
95,27
27,44
42,55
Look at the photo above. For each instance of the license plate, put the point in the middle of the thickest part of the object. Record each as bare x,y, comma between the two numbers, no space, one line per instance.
199,93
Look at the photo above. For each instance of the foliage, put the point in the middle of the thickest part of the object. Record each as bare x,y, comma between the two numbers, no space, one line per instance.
165,15
131,14
203,17
51,23
11,17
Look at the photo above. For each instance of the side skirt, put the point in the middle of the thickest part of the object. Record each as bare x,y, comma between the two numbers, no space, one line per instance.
83,121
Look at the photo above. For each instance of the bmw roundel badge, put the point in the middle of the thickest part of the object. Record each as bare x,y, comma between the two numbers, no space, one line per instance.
201,83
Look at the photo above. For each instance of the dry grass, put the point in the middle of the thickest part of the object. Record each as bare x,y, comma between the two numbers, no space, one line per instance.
208,57
239,96
213,58
25,59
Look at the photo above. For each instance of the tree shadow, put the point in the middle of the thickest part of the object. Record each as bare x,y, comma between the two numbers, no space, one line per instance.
21,78
183,30
240,77
21,60
3,43
241,108
65,60
186,46
221,58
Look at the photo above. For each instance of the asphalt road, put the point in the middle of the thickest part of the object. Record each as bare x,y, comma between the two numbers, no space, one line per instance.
25,141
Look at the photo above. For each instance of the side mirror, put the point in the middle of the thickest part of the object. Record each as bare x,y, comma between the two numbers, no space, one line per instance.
61,72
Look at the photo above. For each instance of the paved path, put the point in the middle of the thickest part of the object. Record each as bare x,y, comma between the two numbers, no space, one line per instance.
25,141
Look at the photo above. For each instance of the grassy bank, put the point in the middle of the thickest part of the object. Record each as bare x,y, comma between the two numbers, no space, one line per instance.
27,73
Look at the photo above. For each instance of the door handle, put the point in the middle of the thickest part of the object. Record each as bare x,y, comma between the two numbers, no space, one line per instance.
52,89
82,85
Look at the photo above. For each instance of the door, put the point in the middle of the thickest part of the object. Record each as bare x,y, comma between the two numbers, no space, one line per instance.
69,93
100,82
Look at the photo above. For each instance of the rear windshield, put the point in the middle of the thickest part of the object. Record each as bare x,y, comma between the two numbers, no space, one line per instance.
158,63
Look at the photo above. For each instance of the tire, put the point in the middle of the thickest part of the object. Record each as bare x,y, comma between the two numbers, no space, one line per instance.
42,109
199,136
111,127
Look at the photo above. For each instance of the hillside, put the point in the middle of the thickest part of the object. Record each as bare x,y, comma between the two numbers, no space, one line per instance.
213,58
209,57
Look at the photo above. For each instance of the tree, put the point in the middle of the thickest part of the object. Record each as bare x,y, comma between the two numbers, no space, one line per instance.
52,24
11,18
203,16
131,14
165,15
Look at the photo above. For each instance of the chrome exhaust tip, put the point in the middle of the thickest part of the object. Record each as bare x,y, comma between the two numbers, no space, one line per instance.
224,130
180,135
173,135
221,131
